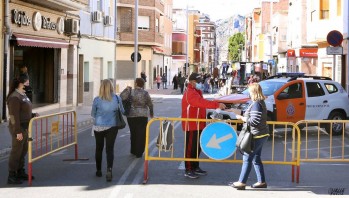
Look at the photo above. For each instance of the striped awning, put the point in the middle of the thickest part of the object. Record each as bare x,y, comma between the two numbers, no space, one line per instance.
30,41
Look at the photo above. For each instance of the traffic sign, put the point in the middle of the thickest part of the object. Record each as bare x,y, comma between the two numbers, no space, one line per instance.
334,50
218,140
334,38
139,57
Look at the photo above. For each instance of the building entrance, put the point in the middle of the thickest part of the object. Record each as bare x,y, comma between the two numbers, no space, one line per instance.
43,68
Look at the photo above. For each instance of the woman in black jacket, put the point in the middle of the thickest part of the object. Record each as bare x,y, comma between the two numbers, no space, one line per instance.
256,117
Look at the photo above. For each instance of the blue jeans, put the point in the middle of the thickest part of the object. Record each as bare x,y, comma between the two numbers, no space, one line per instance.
254,157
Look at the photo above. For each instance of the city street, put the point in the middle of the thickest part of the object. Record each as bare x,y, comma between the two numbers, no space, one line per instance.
55,177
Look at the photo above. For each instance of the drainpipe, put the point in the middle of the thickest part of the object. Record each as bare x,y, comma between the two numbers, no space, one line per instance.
5,65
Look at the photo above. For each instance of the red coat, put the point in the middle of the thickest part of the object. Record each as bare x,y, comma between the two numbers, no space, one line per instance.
197,105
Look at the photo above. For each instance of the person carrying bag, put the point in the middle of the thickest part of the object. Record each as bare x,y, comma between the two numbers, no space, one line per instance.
255,119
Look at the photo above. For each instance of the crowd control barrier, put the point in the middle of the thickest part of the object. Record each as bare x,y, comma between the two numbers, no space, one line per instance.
279,152
324,146
50,133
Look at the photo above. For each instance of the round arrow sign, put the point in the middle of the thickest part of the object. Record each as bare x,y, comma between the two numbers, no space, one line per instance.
218,140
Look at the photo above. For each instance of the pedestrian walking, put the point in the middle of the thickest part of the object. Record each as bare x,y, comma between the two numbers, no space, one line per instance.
164,81
158,81
20,114
104,109
194,106
142,107
181,82
175,82
256,117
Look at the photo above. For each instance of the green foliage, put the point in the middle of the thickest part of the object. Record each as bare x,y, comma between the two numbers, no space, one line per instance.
236,42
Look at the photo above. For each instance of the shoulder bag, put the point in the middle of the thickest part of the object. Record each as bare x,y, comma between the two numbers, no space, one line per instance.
245,140
120,122
127,103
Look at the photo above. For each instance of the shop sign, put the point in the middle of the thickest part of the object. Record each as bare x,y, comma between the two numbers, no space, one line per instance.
20,18
291,53
60,25
39,21
308,52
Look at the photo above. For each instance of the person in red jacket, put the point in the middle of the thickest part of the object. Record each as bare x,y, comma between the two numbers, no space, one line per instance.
194,106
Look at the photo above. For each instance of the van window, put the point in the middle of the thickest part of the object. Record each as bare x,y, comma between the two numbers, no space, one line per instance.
314,89
294,91
331,88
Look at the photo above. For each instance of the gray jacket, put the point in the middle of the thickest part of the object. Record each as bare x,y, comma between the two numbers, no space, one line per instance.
257,116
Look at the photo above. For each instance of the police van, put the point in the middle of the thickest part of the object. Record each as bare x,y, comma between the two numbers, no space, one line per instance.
291,98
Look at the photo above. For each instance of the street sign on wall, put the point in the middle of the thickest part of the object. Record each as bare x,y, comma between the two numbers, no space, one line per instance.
334,50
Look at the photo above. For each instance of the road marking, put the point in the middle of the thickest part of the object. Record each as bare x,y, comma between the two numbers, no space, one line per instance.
118,187
126,134
139,175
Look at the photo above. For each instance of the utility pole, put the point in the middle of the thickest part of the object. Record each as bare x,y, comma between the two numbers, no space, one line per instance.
136,39
271,36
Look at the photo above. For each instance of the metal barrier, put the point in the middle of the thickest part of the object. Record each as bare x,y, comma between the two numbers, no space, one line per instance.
290,146
51,133
325,146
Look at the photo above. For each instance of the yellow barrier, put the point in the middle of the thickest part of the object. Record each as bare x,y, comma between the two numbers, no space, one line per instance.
49,134
328,146
290,148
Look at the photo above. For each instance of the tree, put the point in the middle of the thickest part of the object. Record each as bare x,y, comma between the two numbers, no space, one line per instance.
236,43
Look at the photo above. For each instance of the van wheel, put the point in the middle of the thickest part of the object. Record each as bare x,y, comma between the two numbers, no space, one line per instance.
337,128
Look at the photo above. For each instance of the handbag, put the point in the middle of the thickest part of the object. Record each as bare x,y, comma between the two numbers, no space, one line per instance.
245,140
127,103
120,122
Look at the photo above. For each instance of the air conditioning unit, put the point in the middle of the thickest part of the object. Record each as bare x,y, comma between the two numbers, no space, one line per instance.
71,26
97,16
108,21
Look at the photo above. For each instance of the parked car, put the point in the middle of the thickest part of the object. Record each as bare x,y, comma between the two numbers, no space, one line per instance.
291,98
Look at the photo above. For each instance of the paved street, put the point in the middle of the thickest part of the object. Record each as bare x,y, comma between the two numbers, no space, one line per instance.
58,178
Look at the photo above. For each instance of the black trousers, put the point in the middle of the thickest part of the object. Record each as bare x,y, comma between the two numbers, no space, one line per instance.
18,152
109,136
137,127
192,149
182,88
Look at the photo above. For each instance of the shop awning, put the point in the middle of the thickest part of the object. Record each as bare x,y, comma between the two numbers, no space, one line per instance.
30,41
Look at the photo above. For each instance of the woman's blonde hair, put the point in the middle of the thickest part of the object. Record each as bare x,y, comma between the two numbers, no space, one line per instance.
106,89
256,92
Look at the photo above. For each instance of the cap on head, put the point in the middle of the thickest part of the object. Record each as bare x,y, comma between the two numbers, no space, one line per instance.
196,77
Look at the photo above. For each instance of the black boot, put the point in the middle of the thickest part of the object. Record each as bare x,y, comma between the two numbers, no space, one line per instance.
22,175
109,175
13,179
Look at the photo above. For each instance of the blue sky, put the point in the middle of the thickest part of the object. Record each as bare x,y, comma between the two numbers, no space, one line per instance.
218,9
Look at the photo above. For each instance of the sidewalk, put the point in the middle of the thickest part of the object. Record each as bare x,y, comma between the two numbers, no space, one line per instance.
83,114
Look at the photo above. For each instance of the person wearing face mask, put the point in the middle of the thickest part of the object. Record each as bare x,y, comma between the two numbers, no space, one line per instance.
20,113
194,106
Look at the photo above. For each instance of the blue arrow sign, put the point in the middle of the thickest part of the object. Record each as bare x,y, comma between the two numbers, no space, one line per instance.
218,140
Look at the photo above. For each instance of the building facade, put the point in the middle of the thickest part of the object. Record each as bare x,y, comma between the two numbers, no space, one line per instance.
97,32
150,41
44,38
329,16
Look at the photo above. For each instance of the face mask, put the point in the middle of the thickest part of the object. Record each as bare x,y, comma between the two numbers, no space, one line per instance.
198,86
